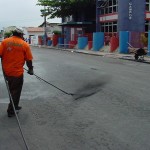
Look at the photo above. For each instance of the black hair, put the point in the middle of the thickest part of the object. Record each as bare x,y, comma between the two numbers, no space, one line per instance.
17,34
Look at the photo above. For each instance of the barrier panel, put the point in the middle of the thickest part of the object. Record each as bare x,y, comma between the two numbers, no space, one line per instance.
123,42
72,44
148,43
90,43
135,39
55,40
61,41
82,42
39,40
98,40
49,42
114,43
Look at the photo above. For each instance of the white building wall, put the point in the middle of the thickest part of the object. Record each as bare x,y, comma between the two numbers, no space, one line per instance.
34,40
28,34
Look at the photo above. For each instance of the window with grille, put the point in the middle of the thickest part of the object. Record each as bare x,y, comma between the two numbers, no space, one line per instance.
108,6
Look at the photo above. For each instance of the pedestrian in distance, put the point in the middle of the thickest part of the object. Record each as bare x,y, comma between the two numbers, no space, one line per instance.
14,53
140,52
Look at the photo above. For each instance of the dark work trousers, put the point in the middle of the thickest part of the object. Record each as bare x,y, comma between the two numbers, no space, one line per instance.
15,86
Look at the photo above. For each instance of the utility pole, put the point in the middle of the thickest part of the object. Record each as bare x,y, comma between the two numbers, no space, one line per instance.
45,34
97,16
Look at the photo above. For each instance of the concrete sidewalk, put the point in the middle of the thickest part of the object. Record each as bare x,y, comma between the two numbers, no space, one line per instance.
113,55
116,55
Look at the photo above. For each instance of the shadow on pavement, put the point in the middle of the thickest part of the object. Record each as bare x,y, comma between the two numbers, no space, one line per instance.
130,58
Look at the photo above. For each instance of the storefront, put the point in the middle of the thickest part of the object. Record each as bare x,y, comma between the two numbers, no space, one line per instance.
73,30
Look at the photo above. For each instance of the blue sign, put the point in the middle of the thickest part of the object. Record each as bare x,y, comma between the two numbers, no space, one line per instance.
131,15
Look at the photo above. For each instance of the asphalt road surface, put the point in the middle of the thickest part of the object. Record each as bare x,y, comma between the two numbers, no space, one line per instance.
109,111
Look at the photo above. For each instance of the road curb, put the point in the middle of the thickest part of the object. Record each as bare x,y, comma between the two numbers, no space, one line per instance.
98,53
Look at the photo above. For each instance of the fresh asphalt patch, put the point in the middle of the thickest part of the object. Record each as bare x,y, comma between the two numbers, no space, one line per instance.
91,88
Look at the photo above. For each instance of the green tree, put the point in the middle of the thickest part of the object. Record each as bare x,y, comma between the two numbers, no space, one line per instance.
7,34
57,32
81,10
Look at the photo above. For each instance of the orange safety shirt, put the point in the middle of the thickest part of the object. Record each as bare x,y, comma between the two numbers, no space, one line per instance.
14,52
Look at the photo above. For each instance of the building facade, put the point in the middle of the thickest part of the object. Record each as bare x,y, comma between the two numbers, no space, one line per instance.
133,16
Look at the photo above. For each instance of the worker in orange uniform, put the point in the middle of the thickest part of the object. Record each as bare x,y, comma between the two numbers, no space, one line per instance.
14,52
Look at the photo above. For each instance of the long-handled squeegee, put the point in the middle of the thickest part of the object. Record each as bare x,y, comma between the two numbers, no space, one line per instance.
86,91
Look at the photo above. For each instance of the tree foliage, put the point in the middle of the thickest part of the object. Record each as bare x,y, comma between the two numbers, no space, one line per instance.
65,8
7,34
57,32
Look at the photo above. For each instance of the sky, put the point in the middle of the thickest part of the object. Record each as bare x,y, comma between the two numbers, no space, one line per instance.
21,13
